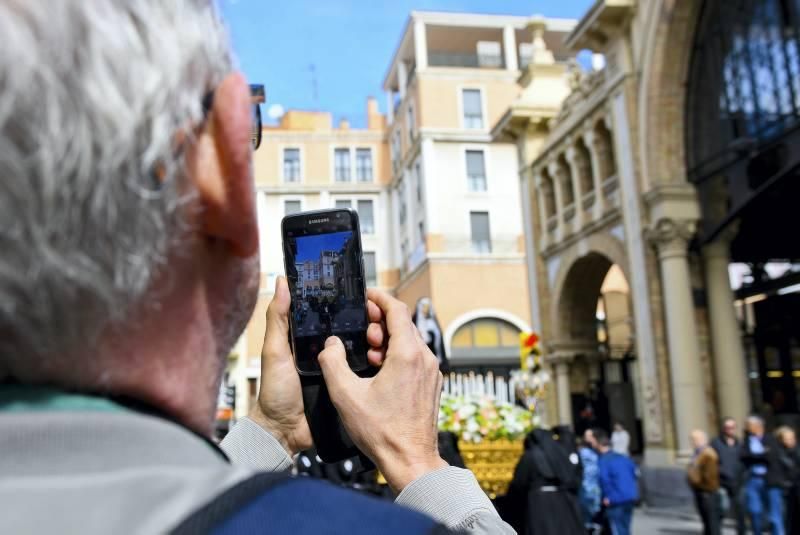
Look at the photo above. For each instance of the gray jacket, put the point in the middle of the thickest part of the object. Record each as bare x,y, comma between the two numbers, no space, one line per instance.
98,472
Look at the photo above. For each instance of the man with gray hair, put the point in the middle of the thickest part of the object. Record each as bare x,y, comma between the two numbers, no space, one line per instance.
129,267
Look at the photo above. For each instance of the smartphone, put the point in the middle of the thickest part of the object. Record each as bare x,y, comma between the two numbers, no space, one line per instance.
325,270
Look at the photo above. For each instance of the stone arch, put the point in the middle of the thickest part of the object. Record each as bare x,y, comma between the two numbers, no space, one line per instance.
665,69
492,313
582,270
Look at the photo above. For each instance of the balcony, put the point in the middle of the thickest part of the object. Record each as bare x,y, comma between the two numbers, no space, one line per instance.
465,60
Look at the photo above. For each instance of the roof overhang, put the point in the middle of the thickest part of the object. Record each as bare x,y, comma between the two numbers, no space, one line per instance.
600,24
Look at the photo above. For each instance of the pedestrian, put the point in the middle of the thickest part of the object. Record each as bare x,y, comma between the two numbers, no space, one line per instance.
703,475
728,448
620,440
617,475
539,497
764,477
590,497
789,458
130,268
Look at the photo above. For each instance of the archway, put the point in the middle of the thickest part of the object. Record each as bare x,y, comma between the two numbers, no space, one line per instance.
595,334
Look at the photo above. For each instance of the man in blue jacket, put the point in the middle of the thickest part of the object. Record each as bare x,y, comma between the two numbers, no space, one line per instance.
617,476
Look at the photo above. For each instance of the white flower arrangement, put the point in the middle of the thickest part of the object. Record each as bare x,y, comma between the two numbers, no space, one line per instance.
475,418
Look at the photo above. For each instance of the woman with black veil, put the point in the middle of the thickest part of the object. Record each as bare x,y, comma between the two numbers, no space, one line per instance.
541,499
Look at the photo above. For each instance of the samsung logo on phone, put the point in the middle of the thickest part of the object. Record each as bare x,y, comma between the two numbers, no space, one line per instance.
320,220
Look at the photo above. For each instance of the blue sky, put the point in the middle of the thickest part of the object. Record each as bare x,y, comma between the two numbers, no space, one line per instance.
350,43
309,247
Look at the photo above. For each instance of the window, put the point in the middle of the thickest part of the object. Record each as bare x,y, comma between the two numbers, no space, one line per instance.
396,156
341,162
291,207
370,271
422,232
476,171
364,165
343,203
401,197
411,123
473,109
291,165
481,237
485,333
418,175
366,217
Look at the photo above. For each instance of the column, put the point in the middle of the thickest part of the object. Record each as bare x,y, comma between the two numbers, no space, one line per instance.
402,78
420,45
530,249
510,48
575,174
554,172
561,365
730,369
590,140
671,238
389,106
542,210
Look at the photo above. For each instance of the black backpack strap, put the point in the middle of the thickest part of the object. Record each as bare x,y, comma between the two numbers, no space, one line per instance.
229,502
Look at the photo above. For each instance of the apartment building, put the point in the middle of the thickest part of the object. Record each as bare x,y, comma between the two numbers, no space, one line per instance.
307,163
457,221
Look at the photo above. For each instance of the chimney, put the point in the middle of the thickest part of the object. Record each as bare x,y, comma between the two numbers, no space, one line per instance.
344,124
375,120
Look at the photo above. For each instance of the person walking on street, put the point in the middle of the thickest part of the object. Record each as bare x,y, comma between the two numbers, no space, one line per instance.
763,488
590,497
617,475
728,446
540,500
703,475
789,458
620,440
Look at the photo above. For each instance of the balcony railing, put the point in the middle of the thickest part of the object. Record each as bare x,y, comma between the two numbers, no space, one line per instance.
465,59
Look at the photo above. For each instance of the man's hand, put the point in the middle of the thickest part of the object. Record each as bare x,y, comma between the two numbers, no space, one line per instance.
280,400
393,416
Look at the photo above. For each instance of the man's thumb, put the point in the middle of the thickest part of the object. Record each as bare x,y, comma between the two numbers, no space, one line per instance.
335,370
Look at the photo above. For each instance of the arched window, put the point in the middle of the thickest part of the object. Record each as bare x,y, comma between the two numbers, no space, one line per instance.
486,340
549,192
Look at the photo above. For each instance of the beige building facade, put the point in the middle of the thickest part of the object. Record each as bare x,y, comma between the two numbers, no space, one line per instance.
638,199
457,213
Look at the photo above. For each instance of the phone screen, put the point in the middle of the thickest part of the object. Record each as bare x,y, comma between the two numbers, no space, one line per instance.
322,253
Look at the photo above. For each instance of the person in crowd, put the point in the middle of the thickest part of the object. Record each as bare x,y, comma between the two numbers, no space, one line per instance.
620,440
764,484
129,268
618,476
789,458
703,475
540,500
728,446
590,497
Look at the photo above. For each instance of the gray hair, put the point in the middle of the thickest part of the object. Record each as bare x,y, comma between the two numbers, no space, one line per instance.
92,96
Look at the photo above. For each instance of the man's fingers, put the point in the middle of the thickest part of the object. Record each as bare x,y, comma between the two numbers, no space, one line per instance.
398,318
376,356
376,337
333,361
276,338
375,313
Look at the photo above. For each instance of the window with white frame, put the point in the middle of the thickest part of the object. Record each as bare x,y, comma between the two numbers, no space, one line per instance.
481,235
364,165
370,269
411,124
341,163
472,108
401,198
422,232
343,203
418,175
292,207
476,170
291,165
396,156
366,216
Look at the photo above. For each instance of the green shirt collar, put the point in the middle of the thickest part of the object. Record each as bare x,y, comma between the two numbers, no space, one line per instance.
24,398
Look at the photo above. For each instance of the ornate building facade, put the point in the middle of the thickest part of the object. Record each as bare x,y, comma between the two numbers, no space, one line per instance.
673,163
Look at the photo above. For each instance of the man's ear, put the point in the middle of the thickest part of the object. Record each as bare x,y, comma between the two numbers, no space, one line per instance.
223,171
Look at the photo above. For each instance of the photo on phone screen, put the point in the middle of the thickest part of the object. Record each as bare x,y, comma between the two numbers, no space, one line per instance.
322,253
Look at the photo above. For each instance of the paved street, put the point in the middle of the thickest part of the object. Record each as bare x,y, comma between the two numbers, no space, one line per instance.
661,522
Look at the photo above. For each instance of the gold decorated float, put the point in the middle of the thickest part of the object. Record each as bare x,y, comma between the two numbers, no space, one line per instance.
492,462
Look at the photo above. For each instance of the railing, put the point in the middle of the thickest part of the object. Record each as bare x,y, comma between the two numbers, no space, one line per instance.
465,59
